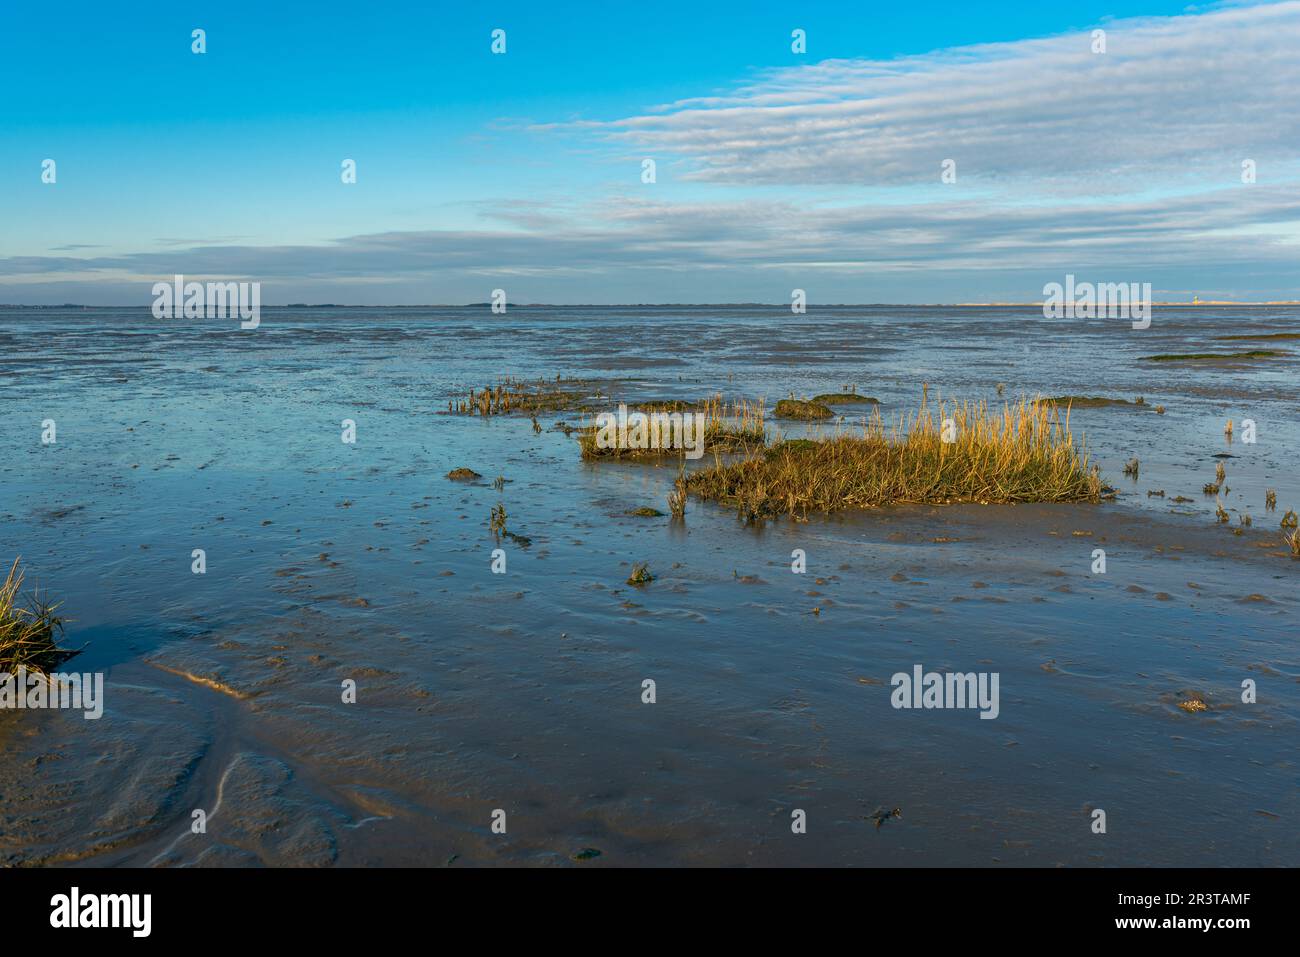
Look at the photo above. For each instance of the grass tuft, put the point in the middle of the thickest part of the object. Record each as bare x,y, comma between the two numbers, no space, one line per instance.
677,497
28,633
1025,453
497,522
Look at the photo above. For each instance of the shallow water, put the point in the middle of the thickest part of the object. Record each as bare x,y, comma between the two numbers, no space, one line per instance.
522,691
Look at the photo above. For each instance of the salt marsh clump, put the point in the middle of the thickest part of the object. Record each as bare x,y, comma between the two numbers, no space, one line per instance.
1025,453
802,409
28,633
654,430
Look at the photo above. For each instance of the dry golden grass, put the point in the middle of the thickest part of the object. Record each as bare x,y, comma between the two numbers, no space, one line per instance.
27,633
1025,453
677,497
728,427
497,522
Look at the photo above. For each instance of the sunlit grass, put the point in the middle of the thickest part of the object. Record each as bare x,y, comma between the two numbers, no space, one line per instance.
1025,453
28,632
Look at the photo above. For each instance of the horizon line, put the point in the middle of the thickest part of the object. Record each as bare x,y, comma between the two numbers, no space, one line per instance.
656,305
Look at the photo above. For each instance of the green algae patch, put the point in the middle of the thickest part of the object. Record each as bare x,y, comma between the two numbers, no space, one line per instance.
802,409
844,398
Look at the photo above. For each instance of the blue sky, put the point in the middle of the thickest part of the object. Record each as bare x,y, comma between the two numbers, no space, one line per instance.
774,170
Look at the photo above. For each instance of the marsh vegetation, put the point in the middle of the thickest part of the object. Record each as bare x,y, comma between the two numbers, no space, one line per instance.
29,630
1024,453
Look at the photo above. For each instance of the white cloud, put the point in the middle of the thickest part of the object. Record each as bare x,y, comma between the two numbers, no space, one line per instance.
1068,161
1172,98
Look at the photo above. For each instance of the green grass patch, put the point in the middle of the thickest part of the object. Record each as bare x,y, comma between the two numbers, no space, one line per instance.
802,409
844,398
1088,401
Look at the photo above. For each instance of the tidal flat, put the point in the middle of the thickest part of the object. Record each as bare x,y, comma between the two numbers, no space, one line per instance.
329,562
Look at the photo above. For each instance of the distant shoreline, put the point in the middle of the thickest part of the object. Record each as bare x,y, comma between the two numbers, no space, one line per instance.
1203,302
675,305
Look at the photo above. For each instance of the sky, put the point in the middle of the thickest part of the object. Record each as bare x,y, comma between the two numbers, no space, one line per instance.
775,170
